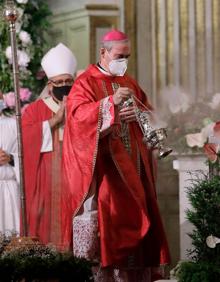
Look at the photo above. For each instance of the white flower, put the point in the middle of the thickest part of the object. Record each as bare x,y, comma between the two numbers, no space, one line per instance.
199,139
195,139
20,12
22,1
176,99
23,58
214,104
25,37
8,53
18,27
207,130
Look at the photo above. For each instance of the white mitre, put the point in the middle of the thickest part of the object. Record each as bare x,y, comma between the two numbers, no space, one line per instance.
59,60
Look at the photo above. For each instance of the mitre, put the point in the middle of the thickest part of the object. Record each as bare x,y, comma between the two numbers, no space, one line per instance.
59,60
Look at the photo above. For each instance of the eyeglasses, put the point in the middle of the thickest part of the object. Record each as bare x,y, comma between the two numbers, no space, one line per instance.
119,56
62,82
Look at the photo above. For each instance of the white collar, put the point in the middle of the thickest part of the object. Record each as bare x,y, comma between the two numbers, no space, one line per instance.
103,71
52,105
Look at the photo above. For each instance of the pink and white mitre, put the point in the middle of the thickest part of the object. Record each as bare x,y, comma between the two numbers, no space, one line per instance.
114,35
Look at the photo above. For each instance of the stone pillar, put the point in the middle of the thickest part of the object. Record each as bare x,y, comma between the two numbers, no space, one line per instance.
81,30
184,165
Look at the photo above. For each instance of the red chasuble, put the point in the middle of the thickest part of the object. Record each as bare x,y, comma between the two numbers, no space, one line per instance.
42,176
129,219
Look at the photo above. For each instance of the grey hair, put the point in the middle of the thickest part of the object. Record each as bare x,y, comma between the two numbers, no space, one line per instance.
109,44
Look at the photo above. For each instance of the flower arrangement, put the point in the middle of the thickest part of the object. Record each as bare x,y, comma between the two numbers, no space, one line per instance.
7,101
9,98
189,123
32,19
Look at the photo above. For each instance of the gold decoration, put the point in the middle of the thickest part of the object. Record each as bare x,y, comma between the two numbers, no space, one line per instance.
18,243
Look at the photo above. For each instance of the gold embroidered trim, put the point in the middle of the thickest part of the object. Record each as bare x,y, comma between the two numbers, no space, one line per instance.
115,86
123,132
125,136
138,160
104,88
97,135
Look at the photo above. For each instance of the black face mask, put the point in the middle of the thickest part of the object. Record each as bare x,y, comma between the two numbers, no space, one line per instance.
61,91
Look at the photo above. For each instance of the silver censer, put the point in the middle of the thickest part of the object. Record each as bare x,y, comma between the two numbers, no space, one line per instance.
154,138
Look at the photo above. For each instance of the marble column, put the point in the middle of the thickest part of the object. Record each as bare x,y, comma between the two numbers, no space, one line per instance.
184,165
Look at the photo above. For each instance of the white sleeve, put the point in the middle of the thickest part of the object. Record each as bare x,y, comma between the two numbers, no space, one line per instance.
47,141
107,114
16,167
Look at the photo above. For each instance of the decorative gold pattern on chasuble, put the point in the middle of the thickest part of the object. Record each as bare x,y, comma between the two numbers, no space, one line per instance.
138,160
122,128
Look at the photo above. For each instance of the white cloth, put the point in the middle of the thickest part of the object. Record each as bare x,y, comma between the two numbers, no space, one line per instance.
9,188
47,140
85,228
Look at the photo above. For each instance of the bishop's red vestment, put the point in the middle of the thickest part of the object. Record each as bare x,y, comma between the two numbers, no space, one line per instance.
42,175
123,169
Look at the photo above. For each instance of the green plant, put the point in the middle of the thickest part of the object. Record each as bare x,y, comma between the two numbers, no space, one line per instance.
36,262
31,27
198,272
204,197
34,266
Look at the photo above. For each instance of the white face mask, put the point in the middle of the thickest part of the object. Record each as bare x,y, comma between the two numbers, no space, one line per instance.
118,66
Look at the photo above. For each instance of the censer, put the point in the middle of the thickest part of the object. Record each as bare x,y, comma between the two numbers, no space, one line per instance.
153,137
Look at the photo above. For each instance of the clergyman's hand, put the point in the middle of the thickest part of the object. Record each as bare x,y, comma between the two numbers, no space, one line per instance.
127,114
122,94
59,117
4,157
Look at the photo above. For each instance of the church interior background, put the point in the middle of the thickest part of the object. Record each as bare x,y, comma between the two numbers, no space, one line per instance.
174,48
175,43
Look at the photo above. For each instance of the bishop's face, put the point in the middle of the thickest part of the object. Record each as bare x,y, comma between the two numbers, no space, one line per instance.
60,86
120,51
